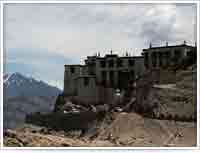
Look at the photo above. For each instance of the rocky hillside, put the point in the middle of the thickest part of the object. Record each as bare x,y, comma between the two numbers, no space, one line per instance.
24,95
173,99
124,129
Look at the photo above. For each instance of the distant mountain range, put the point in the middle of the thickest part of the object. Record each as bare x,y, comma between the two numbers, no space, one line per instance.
24,95
18,85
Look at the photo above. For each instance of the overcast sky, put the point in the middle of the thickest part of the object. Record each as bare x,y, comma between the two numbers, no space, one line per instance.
41,38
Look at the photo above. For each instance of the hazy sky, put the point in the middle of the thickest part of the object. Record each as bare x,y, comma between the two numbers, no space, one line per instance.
41,38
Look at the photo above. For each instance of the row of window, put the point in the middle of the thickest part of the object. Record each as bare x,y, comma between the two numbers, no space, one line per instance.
110,64
177,53
119,63
111,74
129,76
160,56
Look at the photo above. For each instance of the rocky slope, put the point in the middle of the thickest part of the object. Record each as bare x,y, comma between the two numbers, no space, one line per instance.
24,95
126,129
173,97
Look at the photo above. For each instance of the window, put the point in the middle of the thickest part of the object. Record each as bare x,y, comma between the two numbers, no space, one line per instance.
131,62
72,70
103,64
86,81
111,63
153,57
92,63
146,57
146,60
167,56
119,63
177,54
111,78
103,75
132,74
160,59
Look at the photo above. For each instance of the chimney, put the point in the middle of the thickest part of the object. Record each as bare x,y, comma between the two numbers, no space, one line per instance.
150,45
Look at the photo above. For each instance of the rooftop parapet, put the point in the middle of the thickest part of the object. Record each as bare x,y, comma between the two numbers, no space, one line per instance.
167,46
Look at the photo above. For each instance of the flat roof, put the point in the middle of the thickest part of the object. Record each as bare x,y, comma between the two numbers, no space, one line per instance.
103,58
123,57
173,46
111,55
131,57
74,65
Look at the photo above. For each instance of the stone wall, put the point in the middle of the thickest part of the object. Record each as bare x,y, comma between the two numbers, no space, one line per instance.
61,121
70,74
95,95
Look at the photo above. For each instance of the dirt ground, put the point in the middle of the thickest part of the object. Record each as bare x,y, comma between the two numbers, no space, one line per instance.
126,130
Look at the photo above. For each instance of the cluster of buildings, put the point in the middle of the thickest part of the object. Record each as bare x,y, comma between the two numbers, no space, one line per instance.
97,80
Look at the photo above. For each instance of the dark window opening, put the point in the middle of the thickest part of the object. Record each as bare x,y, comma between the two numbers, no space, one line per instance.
103,77
191,57
86,81
177,54
189,53
168,54
119,79
119,63
111,79
146,60
146,56
131,62
160,59
167,57
93,64
111,63
72,69
103,83
91,68
153,57
132,75
103,64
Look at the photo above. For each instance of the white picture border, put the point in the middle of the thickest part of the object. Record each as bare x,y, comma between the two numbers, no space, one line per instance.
97,2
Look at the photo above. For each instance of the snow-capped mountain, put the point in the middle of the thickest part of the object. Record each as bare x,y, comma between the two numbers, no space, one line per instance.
18,85
24,95
5,78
